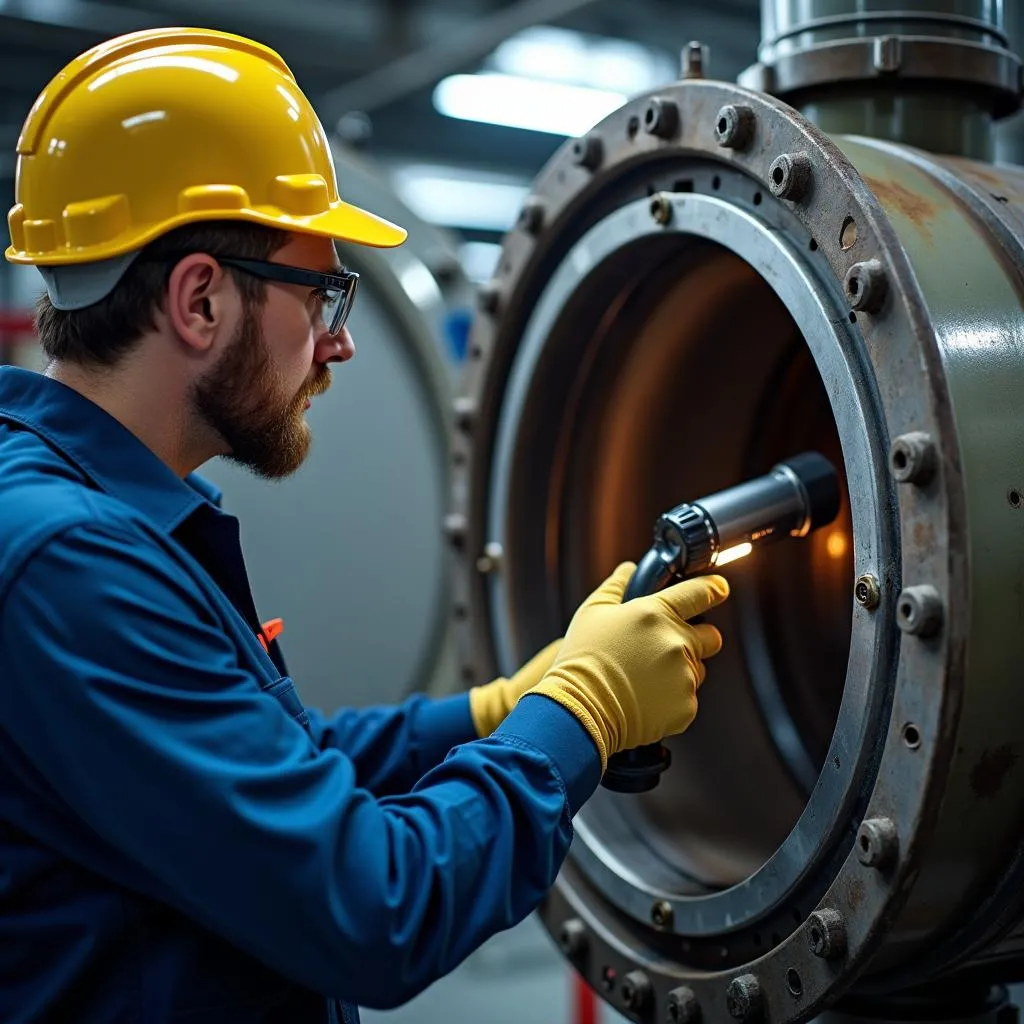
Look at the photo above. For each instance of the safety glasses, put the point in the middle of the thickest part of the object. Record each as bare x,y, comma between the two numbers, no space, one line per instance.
338,291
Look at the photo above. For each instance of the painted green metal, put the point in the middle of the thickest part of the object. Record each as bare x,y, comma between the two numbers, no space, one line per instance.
974,293
937,123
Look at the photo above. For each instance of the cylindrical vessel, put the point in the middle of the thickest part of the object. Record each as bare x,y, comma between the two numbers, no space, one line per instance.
845,811
928,73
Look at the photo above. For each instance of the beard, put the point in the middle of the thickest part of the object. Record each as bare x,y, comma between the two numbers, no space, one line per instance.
245,401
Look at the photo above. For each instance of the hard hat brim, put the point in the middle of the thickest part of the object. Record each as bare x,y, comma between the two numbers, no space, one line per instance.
347,223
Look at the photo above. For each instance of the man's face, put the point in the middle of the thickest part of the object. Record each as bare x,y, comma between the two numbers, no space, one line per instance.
257,394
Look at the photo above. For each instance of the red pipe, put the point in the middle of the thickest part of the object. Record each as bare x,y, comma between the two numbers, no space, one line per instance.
585,1002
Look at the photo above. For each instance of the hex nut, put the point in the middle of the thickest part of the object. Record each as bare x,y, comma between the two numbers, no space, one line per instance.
572,938
826,934
919,611
734,126
636,991
531,216
866,286
661,118
662,914
682,1006
867,591
912,458
877,843
588,152
789,176
743,997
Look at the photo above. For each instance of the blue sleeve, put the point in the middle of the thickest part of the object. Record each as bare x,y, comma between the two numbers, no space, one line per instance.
127,697
392,747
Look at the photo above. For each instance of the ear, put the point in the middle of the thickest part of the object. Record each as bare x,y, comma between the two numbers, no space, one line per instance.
200,301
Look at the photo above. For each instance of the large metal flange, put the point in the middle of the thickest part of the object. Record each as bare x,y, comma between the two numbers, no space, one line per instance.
848,236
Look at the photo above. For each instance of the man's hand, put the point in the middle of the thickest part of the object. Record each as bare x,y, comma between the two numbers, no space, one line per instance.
489,704
630,672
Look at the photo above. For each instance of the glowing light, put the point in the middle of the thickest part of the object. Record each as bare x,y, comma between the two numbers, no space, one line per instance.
733,554
837,544
516,102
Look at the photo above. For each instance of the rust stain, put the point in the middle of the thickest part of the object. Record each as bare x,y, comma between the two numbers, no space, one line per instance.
988,775
855,893
893,195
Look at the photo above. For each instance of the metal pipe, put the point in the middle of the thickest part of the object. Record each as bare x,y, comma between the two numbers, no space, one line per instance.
934,74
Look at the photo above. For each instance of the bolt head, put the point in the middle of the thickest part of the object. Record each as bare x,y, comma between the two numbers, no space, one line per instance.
572,938
877,843
661,208
636,990
661,118
588,152
489,298
913,458
867,591
919,611
866,286
531,216
734,126
662,914
682,1006
743,997
789,176
826,933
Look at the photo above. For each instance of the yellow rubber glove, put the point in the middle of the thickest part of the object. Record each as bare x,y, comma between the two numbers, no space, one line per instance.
489,704
630,672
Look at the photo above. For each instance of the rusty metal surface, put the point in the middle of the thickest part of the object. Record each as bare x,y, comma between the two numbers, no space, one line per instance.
899,343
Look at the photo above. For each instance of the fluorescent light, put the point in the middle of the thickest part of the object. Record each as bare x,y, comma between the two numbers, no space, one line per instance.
479,260
517,102
459,198
559,54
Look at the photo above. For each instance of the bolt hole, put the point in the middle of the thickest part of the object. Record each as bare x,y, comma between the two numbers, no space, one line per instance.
608,979
906,611
716,182
468,673
650,116
865,843
777,175
461,611
476,352
855,286
813,245
853,318
683,185
673,1013
632,127
899,459
1015,498
816,937
848,234
862,592
796,986
757,198
723,126
911,735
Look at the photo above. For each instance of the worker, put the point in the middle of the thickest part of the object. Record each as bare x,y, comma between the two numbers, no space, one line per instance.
180,838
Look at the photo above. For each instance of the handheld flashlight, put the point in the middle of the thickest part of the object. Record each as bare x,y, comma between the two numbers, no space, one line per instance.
793,499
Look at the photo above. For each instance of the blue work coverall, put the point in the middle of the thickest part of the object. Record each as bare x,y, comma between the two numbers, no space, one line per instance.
180,839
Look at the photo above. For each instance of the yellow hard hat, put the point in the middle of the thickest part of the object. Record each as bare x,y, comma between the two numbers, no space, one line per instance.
166,127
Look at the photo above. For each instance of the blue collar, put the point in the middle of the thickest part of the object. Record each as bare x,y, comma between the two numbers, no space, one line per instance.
110,455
